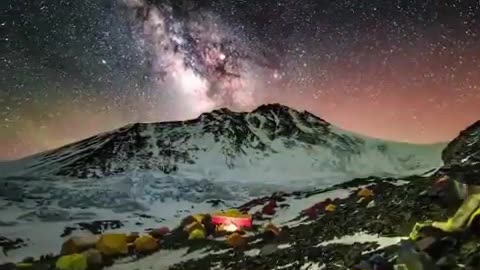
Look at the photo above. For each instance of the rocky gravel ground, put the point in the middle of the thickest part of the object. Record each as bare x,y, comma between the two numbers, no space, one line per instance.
315,241
392,212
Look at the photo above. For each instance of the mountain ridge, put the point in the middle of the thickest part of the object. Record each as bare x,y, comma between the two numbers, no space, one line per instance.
221,110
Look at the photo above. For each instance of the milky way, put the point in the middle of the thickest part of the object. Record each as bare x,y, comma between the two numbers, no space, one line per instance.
195,60
403,70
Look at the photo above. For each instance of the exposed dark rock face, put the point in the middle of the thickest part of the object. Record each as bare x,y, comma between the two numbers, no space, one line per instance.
9,244
462,156
94,227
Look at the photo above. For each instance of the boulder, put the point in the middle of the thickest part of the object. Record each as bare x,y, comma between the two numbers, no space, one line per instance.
407,255
9,266
312,212
94,257
113,244
28,260
235,240
268,249
270,227
380,262
269,209
159,232
77,244
425,243
273,203
269,236
363,265
257,216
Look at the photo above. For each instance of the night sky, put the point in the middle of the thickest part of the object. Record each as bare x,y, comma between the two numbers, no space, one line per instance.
401,70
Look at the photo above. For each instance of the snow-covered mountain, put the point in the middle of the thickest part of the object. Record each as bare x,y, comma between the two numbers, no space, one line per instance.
273,144
38,215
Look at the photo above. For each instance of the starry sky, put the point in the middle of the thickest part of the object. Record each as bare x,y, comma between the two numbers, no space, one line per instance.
401,70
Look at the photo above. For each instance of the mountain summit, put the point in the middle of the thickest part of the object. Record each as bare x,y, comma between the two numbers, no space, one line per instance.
272,144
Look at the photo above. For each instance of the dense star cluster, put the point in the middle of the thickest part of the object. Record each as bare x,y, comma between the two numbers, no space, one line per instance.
403,70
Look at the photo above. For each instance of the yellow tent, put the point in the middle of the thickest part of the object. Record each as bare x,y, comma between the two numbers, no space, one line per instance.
197,234
72,262
113,244
145,243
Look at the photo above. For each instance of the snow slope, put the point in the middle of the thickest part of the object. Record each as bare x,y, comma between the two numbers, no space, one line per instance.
273,145
39,211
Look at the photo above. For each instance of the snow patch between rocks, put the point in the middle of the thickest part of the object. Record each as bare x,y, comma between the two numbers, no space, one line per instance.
312,266
252,252
286,265
284,246
363,237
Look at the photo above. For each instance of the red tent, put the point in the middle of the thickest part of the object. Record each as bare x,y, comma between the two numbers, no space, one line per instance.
232,219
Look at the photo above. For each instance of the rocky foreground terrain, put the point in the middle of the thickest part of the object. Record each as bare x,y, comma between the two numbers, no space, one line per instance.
352,233
356,230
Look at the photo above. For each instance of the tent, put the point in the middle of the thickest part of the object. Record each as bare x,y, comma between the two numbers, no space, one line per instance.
232,220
